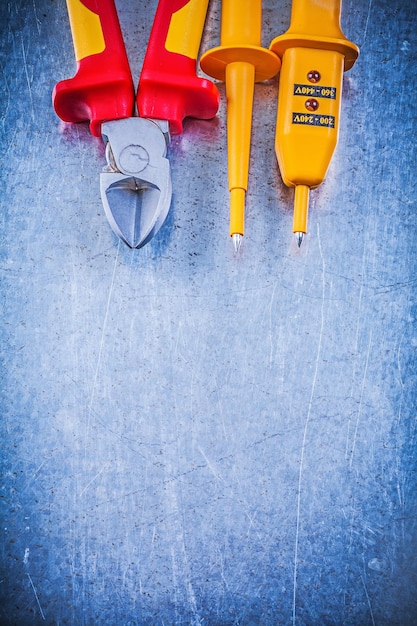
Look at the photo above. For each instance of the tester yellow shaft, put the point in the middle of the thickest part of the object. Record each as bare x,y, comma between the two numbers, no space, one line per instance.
314,53
239,61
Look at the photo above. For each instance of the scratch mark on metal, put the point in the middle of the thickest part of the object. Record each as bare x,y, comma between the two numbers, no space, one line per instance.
360,298
27,78
303,445
100,352
360,401
211,466
369,602
271,343
93,479
365,30
401,377
38,469
36,596
6,105
37,20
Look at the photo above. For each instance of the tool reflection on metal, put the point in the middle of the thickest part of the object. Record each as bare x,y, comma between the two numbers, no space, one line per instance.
136,184
314,52
239,61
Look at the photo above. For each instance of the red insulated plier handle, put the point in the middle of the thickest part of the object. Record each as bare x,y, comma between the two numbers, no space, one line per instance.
102,88
169,88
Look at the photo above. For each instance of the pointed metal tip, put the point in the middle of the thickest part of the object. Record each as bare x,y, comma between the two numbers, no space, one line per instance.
299,236
237,241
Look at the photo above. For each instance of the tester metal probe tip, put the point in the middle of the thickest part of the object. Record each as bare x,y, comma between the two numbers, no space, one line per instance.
237,241
237,211
299,238
301,198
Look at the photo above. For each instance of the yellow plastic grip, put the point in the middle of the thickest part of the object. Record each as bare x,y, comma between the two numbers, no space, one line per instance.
87,34
240,40
186,26
321,19
241,24
316,25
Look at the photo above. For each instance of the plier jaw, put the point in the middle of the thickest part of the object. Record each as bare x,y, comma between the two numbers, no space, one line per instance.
135,185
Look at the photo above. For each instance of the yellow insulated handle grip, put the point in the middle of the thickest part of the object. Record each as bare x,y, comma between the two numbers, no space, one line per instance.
186,27
87,34
240,40
316,25
321,19
241,23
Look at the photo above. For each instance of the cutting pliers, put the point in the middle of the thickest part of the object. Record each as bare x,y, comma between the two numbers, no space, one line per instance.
136,183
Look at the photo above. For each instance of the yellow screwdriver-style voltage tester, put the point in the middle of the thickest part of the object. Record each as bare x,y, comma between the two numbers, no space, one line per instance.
314,53
239,61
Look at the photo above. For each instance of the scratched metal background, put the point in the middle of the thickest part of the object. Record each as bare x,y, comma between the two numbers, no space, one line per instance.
188,436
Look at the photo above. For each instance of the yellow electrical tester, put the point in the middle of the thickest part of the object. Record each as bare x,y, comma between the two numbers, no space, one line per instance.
240,61
314,53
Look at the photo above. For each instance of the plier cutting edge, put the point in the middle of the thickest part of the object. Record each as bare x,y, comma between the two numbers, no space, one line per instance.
135,185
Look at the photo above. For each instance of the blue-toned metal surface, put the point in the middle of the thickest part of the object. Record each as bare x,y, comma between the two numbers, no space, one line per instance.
191,436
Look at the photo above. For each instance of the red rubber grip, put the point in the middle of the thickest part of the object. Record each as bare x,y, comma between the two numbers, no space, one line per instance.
169,88
102,88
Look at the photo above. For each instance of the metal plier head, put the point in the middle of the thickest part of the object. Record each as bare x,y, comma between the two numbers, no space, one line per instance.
136,186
